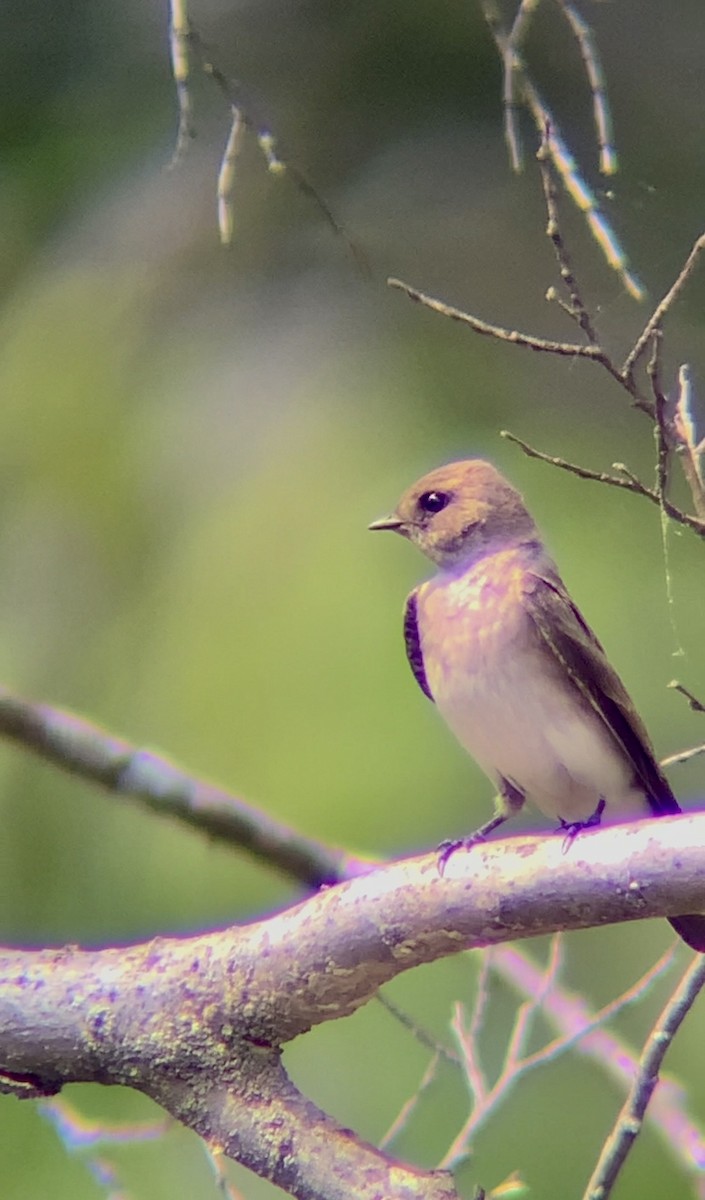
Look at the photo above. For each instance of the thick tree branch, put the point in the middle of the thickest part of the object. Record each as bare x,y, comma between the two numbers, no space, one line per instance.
197,1023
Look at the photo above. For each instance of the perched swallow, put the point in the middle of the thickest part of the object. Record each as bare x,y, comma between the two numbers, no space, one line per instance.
495,640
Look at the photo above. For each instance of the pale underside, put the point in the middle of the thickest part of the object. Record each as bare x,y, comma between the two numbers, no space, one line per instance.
512,705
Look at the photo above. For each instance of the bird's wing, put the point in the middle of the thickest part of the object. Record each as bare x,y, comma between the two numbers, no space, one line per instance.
564,632
412,641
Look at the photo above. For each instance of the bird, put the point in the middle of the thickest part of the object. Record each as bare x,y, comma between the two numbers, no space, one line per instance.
496,642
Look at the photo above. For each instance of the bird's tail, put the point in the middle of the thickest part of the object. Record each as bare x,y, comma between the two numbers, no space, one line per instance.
692,929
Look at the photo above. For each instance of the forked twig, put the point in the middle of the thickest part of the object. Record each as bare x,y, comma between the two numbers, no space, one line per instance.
627,481
513,336
507,42
664,306
186,40
515,1067
570,1013
630,1119
512,67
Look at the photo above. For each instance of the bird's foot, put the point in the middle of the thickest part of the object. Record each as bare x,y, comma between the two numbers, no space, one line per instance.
473,839
449,847
571,829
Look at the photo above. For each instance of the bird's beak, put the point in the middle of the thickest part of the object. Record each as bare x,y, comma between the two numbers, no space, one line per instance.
391,522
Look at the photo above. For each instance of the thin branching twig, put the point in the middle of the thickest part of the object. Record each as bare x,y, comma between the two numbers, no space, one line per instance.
512,67
515,1066
513,336
662,308
631,1117
409,1107
662,435
187,43
472,1065
598,87
517,79
627,481
569,1013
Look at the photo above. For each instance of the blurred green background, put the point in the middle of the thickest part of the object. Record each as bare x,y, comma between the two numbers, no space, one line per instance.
193,441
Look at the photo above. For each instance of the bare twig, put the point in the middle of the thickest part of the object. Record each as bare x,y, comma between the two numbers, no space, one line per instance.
689,447
565,349
86,750
83,1136
218,1164
511,63
629,482
576,309
683,756
232,93
179,34
662,434
530,1009
569,1013
631,1117
226,177
469,1047
79,1132
579,190
598,87
543,345
543,994
470,1041
407,1109
655,320
694,703
513,68
421,1035
186,41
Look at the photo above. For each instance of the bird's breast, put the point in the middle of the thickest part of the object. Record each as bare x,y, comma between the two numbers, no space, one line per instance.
470,623
508,699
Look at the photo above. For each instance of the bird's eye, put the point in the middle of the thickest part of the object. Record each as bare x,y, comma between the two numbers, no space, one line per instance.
434,502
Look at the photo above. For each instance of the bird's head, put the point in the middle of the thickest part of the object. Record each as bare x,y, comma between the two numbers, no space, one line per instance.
461,512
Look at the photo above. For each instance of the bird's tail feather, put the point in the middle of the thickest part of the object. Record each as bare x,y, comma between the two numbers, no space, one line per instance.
692,929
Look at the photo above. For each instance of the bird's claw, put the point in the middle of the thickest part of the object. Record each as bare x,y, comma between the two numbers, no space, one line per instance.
449,847
571,829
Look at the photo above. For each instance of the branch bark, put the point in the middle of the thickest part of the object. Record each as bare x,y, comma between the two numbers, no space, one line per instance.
198,1023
